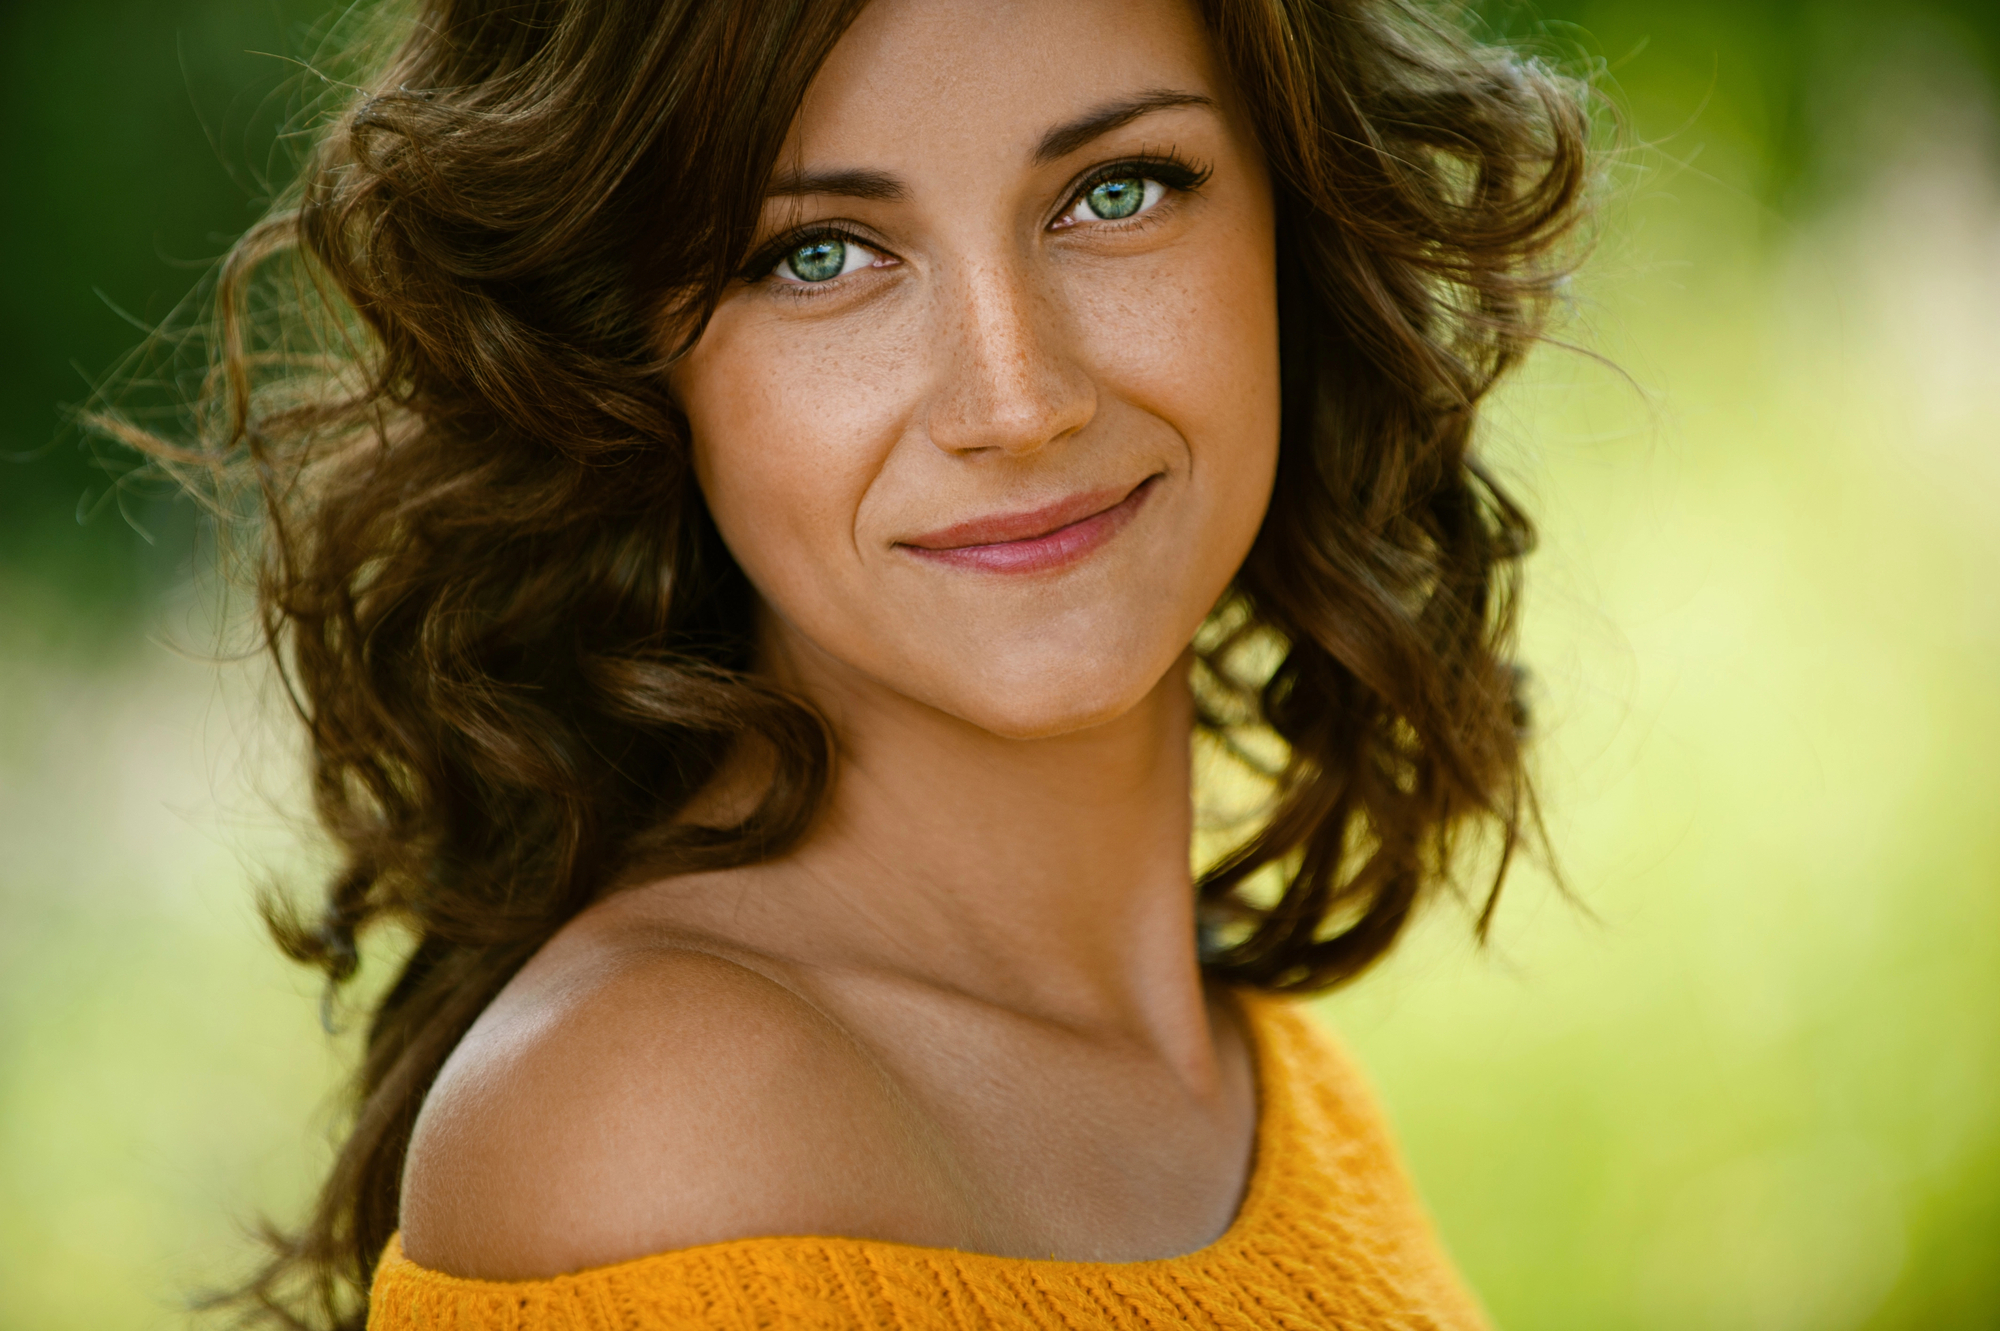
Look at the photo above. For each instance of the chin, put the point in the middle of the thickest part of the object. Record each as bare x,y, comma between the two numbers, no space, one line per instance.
1038,698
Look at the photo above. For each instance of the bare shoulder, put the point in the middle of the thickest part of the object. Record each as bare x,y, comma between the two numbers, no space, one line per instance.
637,1096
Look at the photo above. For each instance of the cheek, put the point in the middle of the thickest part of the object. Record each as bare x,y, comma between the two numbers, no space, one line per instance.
1193,341
788,434
1189,335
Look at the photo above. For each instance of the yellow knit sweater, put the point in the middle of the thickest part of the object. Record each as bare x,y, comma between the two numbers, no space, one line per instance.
1330,1235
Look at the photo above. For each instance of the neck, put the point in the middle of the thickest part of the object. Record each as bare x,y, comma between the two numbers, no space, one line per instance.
1047,875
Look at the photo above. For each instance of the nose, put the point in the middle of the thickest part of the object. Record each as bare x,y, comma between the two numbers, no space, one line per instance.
1004,383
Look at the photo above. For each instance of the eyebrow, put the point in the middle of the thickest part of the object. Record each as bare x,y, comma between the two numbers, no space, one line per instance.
878,186
1066,138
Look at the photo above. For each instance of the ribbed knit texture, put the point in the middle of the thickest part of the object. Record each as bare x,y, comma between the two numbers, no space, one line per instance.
1330,1234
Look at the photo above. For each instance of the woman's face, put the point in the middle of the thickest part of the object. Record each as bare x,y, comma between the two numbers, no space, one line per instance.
995,422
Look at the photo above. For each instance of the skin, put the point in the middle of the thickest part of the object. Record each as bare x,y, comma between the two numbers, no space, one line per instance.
967,1011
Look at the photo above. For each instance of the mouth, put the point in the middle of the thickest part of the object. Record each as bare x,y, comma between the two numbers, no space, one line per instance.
1039,539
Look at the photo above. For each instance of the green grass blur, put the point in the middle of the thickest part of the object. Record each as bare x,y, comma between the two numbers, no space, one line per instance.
1753,1081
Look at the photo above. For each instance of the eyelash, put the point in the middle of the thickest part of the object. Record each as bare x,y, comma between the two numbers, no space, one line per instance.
1180,176
1177,174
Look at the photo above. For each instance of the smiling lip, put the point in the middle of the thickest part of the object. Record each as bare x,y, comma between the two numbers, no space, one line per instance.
1042,538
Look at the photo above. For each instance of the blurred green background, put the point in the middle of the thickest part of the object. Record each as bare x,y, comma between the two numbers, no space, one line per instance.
1756,1086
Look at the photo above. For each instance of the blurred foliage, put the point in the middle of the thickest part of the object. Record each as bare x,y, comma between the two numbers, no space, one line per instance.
1769,71
1754,1082
143,136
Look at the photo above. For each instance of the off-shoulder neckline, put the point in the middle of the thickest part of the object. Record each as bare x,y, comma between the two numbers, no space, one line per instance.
1271,1145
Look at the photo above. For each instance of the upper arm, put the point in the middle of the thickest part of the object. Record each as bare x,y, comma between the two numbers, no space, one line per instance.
645,1106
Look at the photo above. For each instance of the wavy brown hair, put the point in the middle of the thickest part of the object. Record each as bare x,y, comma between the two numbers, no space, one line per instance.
518,646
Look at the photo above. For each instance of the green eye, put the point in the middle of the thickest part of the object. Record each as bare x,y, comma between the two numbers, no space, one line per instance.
1110,200
818,260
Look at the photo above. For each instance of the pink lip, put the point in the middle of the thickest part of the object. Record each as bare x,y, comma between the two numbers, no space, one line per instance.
1042,538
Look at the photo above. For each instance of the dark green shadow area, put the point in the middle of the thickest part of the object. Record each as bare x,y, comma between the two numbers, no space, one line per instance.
140,139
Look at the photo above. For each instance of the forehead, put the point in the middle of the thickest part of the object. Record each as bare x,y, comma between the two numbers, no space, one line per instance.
915,78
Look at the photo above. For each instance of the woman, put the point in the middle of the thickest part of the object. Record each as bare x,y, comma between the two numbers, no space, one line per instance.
804,480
